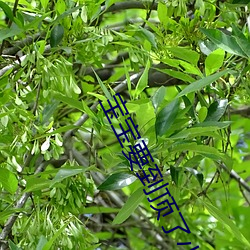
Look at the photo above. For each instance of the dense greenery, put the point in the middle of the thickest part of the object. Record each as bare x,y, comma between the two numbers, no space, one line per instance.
183,68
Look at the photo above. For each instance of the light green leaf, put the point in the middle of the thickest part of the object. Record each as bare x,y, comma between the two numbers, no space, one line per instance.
214,61
99,210
186,54
197,85
70,101
104,89
143,81
158,97
227,223
129,207
66,172
49,244
8,180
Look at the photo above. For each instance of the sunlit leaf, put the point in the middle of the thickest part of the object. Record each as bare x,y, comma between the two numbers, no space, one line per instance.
129,207
117,181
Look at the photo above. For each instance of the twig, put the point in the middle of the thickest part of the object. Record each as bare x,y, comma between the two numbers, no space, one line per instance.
20,203
235,176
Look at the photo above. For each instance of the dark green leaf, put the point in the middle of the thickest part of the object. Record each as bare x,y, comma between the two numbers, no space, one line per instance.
117,181
7,10
245,2
56,35
216,110
8,180
166,117
132,203
174,172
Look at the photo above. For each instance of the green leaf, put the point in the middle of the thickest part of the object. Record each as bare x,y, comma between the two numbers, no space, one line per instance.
227,223
104,89
99,210
197,85
70,101
34,183
214,61
216,110
66,172
174,172
245,2
162,12
186,54
129,207
49,244
143,81
13,246
177,74
198,175
9,32
219,125
56,35
158,97
166,117
117,181
8,180
7,10
223,41
41,243
193,132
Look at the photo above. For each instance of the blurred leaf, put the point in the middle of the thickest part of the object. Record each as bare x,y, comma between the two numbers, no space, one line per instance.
166,117
99,210
245,2
13,246
129,207
197,85
117,181
56,35
198,175
216,110
41,243
227,223
8,180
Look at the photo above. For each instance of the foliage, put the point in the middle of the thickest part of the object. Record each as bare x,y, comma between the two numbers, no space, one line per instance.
183,68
